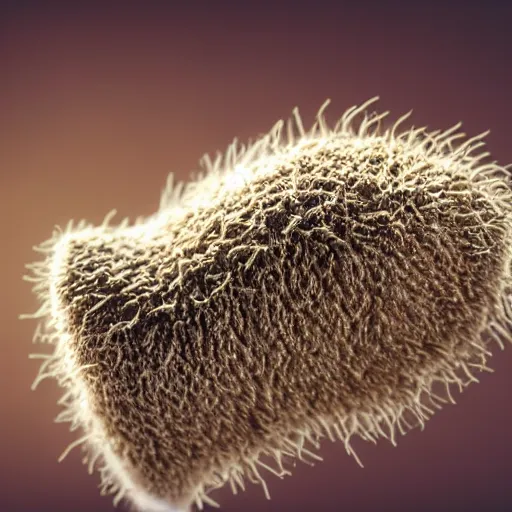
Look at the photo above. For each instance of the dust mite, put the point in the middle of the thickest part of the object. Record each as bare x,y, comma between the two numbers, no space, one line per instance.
314,284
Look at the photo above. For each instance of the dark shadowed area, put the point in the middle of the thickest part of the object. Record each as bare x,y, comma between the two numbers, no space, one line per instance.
98,103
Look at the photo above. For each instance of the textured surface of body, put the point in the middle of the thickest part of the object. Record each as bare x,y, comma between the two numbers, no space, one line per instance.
318,287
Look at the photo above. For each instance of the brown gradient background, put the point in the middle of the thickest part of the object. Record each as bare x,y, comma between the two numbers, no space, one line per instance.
98,104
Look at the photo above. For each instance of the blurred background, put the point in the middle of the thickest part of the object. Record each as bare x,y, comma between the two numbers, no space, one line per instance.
100,101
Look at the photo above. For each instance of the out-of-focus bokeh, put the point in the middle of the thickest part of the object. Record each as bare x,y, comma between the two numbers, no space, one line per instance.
99,101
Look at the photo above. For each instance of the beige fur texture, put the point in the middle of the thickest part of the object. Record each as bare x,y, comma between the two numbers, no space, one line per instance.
333,282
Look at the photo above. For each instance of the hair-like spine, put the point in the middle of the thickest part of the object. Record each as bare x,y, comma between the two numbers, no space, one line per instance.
315,284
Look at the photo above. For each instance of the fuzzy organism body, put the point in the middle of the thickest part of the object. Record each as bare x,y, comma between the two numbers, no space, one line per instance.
322,284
